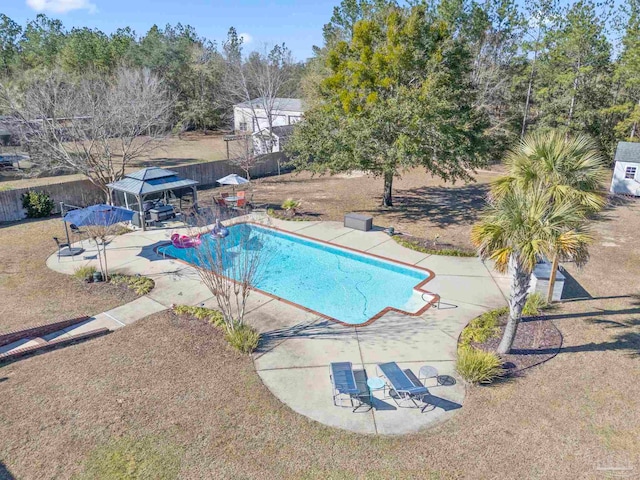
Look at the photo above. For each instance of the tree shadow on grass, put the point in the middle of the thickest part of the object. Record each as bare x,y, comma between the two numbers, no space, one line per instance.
442,206
626,341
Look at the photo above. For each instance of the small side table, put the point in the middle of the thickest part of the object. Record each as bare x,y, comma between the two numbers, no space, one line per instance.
375,383
427,372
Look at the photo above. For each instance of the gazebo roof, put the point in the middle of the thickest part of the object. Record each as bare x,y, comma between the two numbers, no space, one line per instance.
151,180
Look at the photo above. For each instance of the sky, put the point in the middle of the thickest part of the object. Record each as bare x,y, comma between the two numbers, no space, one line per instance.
297,23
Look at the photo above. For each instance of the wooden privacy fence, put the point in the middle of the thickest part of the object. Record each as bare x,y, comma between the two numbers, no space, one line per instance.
84,193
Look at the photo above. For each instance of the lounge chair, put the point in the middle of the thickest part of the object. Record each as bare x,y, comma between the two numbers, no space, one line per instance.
408,389
345,386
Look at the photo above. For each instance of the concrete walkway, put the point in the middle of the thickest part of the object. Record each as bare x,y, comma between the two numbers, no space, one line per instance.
297,346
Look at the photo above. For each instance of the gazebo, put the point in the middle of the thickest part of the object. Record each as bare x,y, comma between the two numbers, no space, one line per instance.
153,183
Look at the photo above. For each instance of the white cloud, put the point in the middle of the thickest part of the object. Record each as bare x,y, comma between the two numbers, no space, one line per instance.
61,6
246,38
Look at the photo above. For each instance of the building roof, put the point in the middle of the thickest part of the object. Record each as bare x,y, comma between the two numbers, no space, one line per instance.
151,173
288,104
281,131
151,180
628,152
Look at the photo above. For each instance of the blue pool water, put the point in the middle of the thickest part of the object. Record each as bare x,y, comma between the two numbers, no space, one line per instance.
338,283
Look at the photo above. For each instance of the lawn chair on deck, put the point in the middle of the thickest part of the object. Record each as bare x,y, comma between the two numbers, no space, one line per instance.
345,386
60,245
408,391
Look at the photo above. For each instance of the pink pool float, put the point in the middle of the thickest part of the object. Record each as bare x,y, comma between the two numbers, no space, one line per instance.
184,241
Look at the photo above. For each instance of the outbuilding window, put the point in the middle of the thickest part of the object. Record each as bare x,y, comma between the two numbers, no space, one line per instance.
243,126
630,173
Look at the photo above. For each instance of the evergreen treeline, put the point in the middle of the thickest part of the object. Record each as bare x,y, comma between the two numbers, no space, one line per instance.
533,65
193,67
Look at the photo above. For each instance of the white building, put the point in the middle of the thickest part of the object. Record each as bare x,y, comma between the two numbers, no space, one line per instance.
279,136
626,173
252,116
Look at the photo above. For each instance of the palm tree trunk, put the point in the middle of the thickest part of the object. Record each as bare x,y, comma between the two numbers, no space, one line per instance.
552,278
520,281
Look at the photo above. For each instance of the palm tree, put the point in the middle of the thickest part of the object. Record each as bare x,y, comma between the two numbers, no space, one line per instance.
570,168
519,226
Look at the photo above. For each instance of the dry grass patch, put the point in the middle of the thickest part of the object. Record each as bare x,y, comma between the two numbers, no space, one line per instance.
424,206
31,293
175,380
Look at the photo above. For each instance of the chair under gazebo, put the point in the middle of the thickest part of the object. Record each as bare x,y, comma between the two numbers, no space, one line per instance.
150,192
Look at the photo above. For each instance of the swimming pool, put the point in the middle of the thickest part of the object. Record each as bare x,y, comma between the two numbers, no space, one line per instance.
340,284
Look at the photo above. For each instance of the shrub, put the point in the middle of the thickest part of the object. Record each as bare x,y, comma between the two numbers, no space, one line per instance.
37,204
534,305
243,338
450,252
84,273
214,317
483,328
281,216
478,366
139,284
290,206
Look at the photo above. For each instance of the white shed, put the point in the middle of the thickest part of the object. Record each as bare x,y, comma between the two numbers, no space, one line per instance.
626,173
252,116
279,137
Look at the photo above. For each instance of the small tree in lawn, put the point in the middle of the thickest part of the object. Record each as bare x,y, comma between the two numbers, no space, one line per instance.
230,268
520,226
100,235
241,153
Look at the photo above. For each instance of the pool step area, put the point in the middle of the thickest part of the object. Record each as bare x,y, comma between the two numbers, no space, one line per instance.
21,343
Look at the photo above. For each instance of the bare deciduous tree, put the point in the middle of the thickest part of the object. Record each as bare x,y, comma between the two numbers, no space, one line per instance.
259,80
95,126
230,268
242,154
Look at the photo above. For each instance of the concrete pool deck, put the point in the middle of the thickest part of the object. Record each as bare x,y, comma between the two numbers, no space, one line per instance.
298,346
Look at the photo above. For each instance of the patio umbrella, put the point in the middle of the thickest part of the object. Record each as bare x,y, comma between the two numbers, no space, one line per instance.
232,179
100,214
